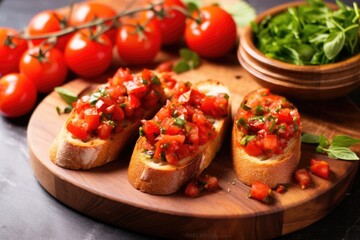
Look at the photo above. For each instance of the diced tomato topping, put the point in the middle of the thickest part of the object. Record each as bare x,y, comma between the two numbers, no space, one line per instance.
320,168
125,95
271,144
270,120
78,129
151,130
285,116
303,178
253,149
281,188
260,192
92,118
104,130
216,106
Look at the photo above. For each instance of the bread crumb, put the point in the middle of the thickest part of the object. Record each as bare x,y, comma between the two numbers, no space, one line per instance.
228,190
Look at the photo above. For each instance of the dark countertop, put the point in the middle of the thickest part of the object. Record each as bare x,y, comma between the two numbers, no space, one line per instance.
27,211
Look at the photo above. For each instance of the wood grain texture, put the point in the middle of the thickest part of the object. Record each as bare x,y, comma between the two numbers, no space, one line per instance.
105,193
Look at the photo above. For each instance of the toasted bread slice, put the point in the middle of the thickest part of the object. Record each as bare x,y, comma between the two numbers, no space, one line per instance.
270,170
161,178
70,152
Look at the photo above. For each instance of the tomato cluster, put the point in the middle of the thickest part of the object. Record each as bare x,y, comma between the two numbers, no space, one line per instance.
183,124
267,122
83,42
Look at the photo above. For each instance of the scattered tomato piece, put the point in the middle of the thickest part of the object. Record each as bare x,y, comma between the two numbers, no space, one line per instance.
281,188
200,184
303,178
260,191
320,168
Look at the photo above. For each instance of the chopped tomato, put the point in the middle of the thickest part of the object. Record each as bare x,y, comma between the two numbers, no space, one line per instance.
165,66
216,106
271,144
134,102
302,177
104,130
281,188
151,130
192,190
196,97
78,129
201,183
320,168
253,149
260,192
285,116
271,119
92,118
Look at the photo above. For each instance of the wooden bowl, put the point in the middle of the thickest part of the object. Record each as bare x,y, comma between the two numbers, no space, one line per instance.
302,82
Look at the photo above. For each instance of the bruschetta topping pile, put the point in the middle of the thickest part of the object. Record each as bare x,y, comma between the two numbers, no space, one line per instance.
266,123
124,96
183,124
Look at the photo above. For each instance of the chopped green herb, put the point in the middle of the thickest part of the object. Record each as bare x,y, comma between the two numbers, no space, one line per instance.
242,122
180,121
247,138
155,80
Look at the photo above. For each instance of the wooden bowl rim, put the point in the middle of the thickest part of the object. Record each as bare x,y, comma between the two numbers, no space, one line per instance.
247,43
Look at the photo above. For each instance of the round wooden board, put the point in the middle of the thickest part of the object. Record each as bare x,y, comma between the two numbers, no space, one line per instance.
105,193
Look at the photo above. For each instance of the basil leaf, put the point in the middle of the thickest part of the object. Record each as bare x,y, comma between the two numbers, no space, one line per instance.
343,141
343,153
68,96
334,44
181,67
323,142
310,138
186,54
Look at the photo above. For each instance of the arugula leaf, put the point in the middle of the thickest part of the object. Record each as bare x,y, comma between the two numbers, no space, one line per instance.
334,44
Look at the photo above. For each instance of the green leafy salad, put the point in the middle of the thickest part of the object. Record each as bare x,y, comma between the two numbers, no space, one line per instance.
310,34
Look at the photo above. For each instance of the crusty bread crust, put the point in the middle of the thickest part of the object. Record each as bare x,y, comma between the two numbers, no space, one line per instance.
163,179
272,171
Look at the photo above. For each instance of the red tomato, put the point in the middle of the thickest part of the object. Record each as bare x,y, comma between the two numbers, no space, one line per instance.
78,129
92,118
45,67
260,192
48,22
165,66
192,190
138,45
172,24
271,144
320,168
10,52
17,95
88,57
285,116
104,130
214,36
89,11
253,149
302,177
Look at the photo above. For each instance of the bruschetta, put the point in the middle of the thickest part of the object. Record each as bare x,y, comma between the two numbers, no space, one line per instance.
182,139
101,123
266,139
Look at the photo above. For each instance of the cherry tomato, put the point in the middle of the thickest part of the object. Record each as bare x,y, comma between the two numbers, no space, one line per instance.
45,67
86,56
89,11
137,44
17,95
172,24
48,22
10,51
214,36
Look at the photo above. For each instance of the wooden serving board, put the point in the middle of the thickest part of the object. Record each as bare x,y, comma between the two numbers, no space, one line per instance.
104,193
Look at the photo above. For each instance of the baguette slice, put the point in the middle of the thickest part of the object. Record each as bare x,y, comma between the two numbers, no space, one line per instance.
274,170
72,153
161,178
